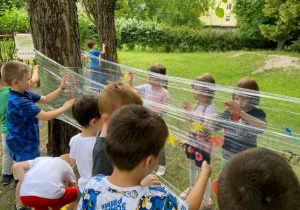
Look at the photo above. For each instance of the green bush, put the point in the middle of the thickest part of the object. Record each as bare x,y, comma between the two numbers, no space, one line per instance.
13,20
87,30
133,33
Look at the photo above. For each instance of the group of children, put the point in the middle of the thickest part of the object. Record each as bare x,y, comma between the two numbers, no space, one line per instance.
115,165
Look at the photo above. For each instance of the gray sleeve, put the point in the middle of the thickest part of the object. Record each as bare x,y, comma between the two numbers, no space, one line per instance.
101,163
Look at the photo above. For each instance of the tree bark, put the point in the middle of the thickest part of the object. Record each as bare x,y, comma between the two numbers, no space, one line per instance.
280,45
107,34
54,29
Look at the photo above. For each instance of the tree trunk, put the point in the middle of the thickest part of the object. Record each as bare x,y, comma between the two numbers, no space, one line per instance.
54,29
107,35
280,45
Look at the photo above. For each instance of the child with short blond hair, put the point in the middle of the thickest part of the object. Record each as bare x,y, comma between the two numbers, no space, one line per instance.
114,96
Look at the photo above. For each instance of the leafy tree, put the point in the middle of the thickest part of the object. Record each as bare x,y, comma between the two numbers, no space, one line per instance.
286,14
171,12
249,14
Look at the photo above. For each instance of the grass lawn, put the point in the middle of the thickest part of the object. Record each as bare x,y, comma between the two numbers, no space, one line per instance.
227,68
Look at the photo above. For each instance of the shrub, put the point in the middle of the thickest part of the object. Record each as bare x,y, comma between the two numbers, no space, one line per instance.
133,33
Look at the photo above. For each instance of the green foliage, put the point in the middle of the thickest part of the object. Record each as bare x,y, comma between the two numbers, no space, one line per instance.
220,12
295,45
286,14
146,34
87,30
13,19
172,12
249,16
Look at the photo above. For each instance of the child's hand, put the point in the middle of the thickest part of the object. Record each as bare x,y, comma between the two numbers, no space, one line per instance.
130,73
63,83
68,104
205,169
103,45
233,107
182,143
150,180
36,67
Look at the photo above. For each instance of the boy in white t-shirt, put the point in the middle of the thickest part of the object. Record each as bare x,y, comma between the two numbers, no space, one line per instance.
135,137
86,113
43,185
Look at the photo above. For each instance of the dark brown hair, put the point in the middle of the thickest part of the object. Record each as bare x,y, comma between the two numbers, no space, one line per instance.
134,133
91,43
85,109
116,95
13,70
158,68
209,92
258,179
250,84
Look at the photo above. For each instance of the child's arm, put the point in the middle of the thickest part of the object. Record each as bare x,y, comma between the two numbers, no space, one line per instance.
103,49
19,169
42,115
35,75
195,197
130,81
233,107
51,96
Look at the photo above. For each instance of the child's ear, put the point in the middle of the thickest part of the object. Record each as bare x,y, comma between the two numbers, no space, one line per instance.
105,118
93,121
14,82
214,186
150,162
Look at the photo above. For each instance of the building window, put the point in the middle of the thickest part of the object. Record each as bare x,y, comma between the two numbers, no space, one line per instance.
229,6
227,18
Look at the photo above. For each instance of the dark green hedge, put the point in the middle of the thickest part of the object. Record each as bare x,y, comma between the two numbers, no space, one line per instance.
166,39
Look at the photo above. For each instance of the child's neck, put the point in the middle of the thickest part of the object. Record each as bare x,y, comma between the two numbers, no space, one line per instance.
88,132
2,85
203,102
156,87
126,178
17,89
247,109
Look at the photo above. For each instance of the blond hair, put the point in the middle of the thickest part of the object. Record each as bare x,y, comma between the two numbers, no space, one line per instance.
13,70
66,157
116,95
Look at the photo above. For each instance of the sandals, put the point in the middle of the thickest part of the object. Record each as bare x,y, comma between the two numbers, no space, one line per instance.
185,193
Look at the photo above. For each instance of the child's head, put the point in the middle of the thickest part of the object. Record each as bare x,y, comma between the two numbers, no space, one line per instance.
204,92
86,112
116,95
135,134
16,73
246,101
66,157
91,44
159,69
258,179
